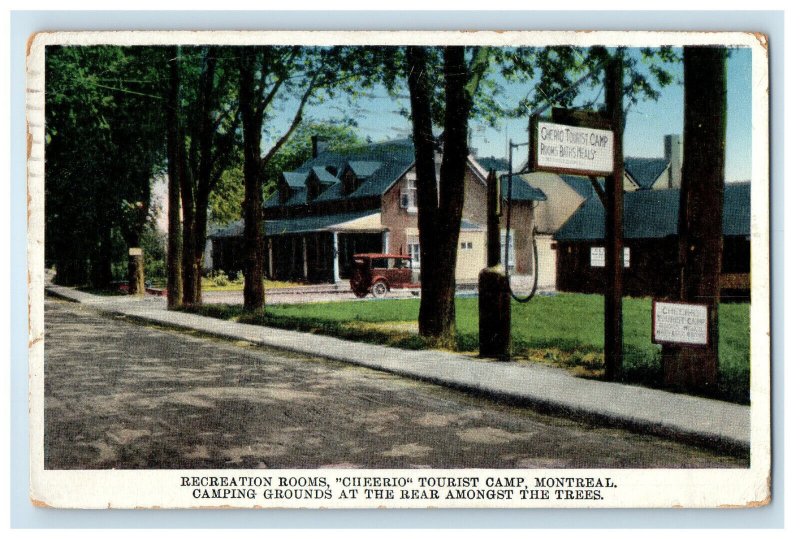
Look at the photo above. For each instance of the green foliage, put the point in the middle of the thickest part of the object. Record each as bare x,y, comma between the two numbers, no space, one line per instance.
225,201
104,142
154,247
566,71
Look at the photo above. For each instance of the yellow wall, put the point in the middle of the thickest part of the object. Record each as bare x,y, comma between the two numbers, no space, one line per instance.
470,262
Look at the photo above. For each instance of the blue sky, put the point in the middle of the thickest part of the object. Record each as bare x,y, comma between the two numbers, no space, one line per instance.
378,117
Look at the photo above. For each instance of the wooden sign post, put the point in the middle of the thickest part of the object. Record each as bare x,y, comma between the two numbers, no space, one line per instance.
614,212
590,144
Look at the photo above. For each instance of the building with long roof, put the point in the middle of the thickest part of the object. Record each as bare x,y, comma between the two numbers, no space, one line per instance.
365,200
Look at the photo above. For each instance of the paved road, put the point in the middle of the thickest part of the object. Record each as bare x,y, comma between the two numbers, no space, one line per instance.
122,395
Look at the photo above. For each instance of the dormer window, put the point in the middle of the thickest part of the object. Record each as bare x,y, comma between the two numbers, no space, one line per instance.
356,172
289,184
284,192
350,182
312,189
408,194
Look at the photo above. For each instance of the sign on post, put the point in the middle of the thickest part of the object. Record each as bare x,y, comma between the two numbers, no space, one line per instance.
680,323
569,149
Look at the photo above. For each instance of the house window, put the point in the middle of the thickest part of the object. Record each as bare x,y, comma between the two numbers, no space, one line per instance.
597,257
350,182
512,258
313,189
413,250
466,245
408,195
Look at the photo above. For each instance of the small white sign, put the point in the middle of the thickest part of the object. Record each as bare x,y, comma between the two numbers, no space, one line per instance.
135,251
680,323
597,258
579,150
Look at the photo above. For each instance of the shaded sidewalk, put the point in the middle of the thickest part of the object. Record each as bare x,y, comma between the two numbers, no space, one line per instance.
723,425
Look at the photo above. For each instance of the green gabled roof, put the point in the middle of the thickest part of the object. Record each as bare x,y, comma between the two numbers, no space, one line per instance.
334,192
298,196
272,201
296,180
582,184
324,176
498,164
231,231
645,170
469,225
653,213
364,169
736,213
520,190
395,157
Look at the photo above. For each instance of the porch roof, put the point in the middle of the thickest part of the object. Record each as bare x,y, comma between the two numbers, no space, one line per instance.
363,221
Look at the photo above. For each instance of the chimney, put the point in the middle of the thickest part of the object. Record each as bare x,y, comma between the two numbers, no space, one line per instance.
673,152
314,146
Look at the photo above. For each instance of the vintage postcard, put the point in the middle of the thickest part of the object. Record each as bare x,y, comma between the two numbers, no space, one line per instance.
399,269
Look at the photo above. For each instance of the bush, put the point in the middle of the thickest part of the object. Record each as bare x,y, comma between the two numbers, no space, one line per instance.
219,278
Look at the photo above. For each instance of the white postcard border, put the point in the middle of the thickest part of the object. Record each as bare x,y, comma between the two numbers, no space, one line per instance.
634,488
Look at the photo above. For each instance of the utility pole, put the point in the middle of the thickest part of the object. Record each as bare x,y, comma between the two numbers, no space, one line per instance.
614,222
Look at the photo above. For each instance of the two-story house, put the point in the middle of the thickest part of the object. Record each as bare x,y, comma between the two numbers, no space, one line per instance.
365,200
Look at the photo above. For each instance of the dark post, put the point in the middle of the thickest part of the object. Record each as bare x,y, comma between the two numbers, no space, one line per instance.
136,271
493,220
494,301
614,212
700,215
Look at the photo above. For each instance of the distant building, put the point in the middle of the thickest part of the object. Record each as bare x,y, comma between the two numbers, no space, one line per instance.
650,242
656,172
573,196
365,200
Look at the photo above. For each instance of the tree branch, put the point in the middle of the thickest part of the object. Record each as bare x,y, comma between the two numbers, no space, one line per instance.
298,117
477,67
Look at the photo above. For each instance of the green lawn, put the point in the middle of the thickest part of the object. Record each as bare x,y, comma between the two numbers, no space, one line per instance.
565,330
209,285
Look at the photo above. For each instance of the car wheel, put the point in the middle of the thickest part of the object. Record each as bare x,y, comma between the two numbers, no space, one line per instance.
379,289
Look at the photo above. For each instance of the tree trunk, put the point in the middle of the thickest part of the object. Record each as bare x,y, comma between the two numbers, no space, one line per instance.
202,175
439,218
253,192
71,270
700,217
136,286
174,167
190,276
101,259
